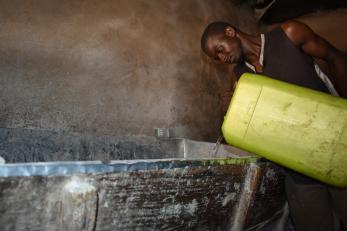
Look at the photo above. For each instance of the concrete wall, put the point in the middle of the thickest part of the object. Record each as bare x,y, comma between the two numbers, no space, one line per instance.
111,67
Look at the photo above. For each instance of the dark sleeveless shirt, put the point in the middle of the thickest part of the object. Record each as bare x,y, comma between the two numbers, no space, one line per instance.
284,61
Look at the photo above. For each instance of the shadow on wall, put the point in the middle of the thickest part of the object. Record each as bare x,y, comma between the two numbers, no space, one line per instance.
111,67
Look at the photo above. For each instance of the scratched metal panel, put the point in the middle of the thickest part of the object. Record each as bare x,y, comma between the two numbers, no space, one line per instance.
182,198
187,198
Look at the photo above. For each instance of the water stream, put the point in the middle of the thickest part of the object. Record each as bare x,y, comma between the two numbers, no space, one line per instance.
216,146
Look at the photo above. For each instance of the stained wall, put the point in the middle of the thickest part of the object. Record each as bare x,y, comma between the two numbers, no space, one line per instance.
112,67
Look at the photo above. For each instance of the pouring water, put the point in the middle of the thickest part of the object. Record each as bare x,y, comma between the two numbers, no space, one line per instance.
216,146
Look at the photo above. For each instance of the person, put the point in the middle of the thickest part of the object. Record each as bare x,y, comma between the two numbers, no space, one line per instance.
287,53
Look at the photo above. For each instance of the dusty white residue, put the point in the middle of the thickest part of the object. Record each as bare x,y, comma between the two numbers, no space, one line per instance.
170,199
130,199
192,207
171,209
237,186
228,198
218,196
77,185
186,170
178,209
106,204
205,201
188,183
262,188
123,193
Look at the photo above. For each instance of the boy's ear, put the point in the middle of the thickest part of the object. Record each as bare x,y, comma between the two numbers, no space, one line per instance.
230,31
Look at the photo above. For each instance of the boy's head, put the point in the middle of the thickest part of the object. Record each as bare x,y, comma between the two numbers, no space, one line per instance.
220,41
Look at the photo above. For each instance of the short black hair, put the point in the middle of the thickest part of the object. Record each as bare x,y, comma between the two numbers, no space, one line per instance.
213,29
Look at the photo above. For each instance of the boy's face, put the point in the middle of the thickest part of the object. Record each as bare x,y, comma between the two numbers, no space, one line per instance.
224,48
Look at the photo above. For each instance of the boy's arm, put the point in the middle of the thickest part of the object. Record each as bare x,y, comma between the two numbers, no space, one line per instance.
317,47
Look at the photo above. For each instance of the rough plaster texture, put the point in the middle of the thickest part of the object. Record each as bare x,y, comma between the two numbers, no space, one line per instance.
112,67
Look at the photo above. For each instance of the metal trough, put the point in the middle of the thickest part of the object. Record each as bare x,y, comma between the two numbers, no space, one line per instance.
72,181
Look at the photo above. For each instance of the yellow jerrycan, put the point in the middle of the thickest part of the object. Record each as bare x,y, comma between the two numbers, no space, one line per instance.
299,128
